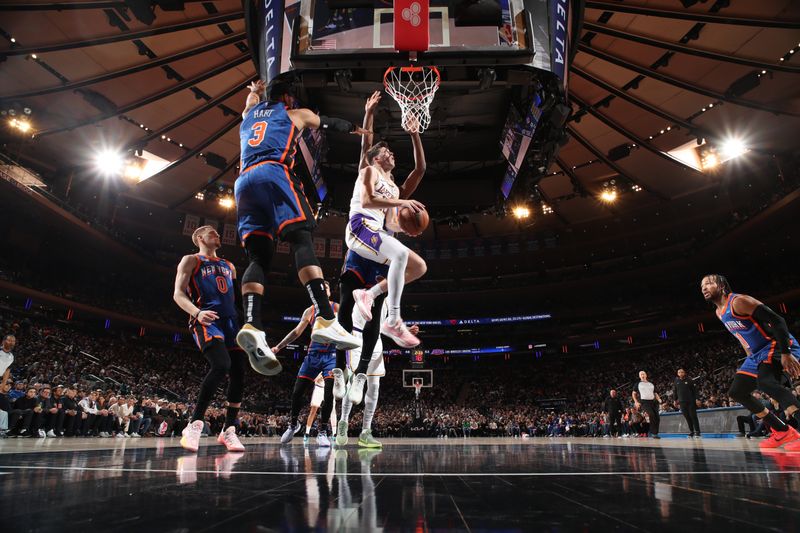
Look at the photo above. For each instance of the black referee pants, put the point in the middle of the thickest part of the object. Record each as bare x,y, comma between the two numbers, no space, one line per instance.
649,407
689,411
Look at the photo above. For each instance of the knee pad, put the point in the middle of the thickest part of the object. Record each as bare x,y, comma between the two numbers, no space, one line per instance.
302,248
260,250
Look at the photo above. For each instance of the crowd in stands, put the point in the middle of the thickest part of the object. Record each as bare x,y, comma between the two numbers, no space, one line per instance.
68,382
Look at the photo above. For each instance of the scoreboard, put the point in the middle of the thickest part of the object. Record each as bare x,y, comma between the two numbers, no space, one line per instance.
417,359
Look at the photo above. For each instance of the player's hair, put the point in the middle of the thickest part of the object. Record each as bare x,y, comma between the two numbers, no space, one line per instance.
199,231
374,150
278,88
9,336
722,281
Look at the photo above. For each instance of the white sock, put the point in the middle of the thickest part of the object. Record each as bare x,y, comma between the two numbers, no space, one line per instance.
375,291
398,259
371,400
347,406
308,430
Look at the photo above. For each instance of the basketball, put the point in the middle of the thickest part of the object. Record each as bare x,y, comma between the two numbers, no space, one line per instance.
413,223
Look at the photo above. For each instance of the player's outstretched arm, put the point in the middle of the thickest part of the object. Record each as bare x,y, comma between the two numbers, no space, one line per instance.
253,99
369,119
305,118
412,181
181,297
298,330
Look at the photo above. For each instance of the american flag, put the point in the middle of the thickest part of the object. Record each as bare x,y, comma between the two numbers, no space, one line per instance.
323,44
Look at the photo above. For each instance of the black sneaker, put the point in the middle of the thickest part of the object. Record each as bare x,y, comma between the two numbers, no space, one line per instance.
656,437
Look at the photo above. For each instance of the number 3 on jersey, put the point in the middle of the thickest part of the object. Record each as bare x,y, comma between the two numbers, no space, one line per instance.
259,130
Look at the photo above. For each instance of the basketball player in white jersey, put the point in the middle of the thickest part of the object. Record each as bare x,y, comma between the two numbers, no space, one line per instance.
317,397
375,371
373,207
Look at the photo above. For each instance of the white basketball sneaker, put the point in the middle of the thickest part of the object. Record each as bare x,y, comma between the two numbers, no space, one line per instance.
356,393
254,342
331,332
339,384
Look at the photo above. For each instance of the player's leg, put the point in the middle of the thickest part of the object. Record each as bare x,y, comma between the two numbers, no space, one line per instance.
220,362
370,334
235,393
300,391
348,282
327,407
325,329
770,377
744,383
415,269
312,415
365,439
398,255
256,220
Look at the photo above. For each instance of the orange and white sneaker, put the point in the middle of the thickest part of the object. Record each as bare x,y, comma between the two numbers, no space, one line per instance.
190,439
230,440
399,334
780,438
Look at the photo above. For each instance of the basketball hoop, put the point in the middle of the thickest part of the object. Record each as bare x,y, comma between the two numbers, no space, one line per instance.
417,387
413,88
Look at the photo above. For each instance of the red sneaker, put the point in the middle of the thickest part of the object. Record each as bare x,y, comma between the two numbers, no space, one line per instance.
399,334
780,438
364,303
793,446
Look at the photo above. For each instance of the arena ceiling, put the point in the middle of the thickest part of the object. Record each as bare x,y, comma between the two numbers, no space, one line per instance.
647,77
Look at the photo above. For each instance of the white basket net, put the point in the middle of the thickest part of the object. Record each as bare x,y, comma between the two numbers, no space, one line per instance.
413,88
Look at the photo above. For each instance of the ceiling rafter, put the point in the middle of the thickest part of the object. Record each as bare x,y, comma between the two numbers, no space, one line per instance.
694,16
681,84
688,50
152,98
131,70
215,178
125,36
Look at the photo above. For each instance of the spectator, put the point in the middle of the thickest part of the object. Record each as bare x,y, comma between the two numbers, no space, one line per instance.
21,415
6,358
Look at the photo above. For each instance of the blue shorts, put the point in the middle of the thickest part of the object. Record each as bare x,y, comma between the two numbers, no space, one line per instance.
317,361
765,355
270,201
368,272
224,328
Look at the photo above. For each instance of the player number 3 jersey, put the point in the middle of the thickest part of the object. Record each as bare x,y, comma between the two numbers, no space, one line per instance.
267,134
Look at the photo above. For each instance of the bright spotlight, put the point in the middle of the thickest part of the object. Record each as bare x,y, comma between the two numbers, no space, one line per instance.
109,162
732,148
24,126
521,212
608,196
226,202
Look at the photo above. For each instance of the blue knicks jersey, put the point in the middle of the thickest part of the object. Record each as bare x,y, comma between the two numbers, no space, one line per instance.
267,134
753,338
211,286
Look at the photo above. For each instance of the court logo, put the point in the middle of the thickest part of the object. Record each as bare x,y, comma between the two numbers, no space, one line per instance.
411,14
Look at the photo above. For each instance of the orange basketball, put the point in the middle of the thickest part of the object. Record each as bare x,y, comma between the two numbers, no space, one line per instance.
413,223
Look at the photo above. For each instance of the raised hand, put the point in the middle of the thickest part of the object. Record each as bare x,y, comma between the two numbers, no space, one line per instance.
361,131
256,86
372,102
414,205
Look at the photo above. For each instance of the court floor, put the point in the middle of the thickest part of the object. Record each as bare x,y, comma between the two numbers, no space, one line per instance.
419,484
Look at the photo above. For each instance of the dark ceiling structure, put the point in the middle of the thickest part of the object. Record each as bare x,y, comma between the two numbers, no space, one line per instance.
647,78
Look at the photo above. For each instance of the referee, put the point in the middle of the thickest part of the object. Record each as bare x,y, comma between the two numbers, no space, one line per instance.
645,398
685,396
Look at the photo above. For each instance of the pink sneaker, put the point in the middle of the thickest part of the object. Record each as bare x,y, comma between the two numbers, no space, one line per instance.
191,436
364,301
399,333
230,440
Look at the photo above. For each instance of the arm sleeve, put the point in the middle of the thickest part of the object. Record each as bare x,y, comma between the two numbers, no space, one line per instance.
335,124
774,324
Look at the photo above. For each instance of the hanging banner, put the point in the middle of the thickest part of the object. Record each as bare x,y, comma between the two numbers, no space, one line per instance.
214,223
558,36
270,24
283,247
190,224
229,234
335,249
319,246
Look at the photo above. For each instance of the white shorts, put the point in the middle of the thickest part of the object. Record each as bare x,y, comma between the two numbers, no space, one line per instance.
364,236
375,367
318,395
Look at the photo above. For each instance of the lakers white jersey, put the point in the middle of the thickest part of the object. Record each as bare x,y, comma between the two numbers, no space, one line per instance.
384,188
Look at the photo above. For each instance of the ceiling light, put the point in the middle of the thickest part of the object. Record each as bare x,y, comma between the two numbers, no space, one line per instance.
23,126
13,40
226,202
34,56
710,160
546,209
200,196
608,196
521,212
109,162
733,148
